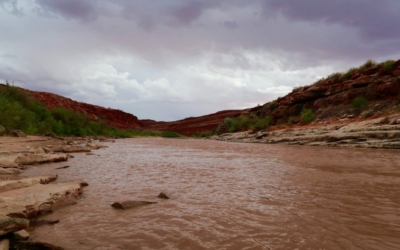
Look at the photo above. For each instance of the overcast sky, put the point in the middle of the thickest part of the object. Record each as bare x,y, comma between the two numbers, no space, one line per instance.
167,60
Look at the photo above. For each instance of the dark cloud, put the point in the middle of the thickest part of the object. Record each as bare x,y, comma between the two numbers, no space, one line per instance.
231,24
375,20
189,12
75,9
207,55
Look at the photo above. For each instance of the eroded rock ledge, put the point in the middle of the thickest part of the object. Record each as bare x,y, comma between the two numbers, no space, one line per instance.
23,199
366,134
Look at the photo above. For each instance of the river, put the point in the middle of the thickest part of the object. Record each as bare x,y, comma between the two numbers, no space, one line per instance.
229,196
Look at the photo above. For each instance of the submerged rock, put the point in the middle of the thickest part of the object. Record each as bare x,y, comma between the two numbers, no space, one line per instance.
131,204
163,195
63,167
33,245
38,223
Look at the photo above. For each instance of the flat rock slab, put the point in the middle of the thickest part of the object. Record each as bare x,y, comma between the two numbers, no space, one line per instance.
30,159
131,204
28,202
9,171
26,182
8,161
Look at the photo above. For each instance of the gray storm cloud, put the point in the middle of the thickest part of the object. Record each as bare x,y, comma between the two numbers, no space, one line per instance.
167,60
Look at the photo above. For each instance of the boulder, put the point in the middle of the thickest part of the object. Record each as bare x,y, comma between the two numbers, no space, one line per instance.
21,235
163,195
9,225
8,161
3,130
38,150
17,133
131,204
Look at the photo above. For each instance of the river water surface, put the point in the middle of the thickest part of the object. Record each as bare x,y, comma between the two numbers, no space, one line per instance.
229,196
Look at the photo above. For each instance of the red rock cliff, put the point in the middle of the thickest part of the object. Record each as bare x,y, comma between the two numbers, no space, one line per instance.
113,117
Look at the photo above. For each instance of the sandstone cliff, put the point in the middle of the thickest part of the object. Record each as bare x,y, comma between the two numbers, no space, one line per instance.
113,117
330,98
193,125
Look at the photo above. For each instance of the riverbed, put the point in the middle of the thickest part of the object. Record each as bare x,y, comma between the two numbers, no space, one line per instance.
229,196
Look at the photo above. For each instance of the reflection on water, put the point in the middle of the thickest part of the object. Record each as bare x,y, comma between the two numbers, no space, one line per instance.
230,196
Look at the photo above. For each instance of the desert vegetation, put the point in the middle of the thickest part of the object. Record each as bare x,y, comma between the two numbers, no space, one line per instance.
19,111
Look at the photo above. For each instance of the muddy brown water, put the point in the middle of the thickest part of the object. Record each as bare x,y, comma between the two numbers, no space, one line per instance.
229,196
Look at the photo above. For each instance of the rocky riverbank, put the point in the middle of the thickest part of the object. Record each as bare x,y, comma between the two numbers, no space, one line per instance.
381,132
23,200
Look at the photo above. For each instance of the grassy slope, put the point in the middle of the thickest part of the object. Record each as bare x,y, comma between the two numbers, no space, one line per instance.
19,111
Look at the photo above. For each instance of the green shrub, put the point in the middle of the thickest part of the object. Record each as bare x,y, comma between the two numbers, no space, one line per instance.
261,123
359,102
14,116
307,116
368,64
389,65
231,124
349,73
169,134
243,122
335,76
205,134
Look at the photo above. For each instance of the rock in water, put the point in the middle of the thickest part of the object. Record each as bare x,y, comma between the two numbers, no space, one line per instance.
8,224
131,204
62,167
163,195
33,245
